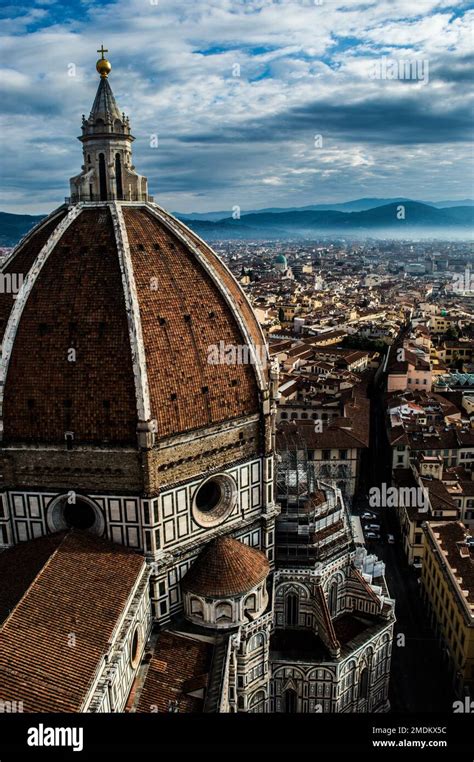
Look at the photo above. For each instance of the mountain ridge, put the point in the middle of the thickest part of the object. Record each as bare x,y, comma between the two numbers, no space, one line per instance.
398,218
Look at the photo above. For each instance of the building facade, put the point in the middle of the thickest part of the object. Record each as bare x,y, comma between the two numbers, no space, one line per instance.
448,591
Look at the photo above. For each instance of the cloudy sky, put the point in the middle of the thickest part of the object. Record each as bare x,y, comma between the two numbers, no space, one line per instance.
255,103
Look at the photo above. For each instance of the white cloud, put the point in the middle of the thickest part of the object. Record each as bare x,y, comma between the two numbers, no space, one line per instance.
173,73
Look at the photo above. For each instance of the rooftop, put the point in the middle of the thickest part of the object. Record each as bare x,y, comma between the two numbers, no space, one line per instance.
226,567
67,583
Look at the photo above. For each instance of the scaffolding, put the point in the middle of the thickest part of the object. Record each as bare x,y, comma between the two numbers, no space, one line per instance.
312,524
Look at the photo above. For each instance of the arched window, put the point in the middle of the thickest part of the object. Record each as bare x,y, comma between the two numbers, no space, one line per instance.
292,610
118,176
257,702
364,683
102,178
333,595
250,605
257,641
291,701
223,612
196,608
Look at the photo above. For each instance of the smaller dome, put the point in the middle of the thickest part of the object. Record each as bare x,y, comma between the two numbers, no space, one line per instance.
280,259
226,567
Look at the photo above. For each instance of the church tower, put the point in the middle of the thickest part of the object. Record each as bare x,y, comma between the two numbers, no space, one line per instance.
107,173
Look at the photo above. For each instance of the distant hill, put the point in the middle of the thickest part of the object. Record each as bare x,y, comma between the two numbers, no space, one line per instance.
421,220
371,218
15,226
358,205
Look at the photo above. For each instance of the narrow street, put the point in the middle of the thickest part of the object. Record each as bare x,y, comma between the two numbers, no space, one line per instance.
419,681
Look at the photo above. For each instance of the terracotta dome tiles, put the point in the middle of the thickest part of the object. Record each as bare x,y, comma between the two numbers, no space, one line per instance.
226,567
78,303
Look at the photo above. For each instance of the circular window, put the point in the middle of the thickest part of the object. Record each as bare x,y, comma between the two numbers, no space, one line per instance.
75,512
135,648
79,515
214,500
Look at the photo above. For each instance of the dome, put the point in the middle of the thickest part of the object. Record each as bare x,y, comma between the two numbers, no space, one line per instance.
226,567
280,259
119,331
114,326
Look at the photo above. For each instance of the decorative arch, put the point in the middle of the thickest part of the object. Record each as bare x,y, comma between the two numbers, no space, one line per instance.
334,587
224,611
293,587
257,702
290,701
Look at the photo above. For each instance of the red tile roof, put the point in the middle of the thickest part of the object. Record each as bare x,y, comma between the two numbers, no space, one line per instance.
180,665
181,318
24,256
77,302
81,587
226,567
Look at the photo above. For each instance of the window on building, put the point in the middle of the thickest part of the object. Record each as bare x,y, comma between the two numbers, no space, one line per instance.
102,178
292,610
224,612
196,608
291,701
333,595
250,604
364,683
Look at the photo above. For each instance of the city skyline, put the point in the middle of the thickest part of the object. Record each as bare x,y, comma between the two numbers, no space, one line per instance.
298,103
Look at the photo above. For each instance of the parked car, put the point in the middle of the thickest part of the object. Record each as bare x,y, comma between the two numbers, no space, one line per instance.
368,515
391,539
372,535
373,527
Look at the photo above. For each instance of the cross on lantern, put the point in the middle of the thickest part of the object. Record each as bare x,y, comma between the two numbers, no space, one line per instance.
102,50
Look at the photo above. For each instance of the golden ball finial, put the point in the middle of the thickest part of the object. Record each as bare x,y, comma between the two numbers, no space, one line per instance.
103,66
